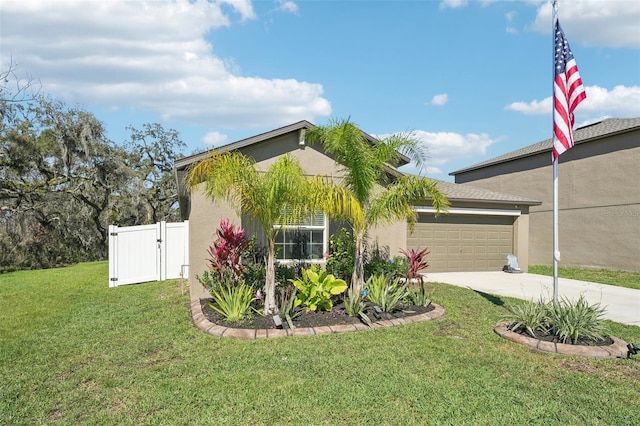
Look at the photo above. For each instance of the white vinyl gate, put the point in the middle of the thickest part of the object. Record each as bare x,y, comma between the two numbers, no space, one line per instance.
144,253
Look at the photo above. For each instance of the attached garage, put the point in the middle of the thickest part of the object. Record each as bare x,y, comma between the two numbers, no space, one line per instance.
464,242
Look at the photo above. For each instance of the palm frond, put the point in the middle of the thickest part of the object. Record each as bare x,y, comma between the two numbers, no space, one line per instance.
396,202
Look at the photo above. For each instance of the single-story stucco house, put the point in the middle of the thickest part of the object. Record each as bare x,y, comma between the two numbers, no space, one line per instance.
599,195
481,229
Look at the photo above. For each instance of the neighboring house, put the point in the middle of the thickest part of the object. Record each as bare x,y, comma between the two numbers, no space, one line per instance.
481,229
599,195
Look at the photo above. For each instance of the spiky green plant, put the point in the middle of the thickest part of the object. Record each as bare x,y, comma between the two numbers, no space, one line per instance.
288,308
387,294
528,316
419,297
233,302
574,321
355,305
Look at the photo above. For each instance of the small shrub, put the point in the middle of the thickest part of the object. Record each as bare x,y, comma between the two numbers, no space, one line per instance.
342,252
233,302
376,260
316,289
355,305
572,322
286,272
386,294
214,281
254,274
255,252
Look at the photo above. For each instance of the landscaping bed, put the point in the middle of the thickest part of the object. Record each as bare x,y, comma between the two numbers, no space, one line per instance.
335,316
607,347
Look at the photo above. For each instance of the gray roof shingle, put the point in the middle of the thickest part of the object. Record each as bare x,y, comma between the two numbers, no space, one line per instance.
458,192
588,133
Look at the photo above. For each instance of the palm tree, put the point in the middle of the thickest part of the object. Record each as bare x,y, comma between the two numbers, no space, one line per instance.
385,195
281,194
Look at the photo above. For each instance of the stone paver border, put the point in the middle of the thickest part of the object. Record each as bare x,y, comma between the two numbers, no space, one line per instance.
201,322
616,350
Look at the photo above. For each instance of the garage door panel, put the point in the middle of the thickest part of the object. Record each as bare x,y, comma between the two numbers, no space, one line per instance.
453,234
466,265
439,235
480,265
493,235
467,235
464,243
466,250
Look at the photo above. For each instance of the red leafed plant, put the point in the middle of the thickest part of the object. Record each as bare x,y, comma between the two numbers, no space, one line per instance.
416,261
226,251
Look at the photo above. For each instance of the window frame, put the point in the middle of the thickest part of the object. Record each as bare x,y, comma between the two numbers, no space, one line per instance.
283,228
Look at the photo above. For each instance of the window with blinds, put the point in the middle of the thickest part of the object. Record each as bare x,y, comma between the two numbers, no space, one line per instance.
304,240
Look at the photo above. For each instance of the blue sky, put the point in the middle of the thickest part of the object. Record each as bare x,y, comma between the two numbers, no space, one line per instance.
471,79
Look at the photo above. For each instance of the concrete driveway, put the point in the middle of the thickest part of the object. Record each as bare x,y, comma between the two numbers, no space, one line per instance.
622,304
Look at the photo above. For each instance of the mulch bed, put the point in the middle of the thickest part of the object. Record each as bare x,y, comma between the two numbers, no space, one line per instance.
337,316
581,342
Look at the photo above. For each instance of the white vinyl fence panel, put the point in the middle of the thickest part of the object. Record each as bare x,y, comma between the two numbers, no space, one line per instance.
145,253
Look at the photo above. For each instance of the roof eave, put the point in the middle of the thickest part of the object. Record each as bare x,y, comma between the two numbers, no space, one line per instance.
547,149
489,201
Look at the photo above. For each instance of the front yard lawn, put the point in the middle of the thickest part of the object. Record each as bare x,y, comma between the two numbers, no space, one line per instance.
73,351
602,276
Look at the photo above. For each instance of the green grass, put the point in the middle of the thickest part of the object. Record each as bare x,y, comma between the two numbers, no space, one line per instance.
602,276
73,351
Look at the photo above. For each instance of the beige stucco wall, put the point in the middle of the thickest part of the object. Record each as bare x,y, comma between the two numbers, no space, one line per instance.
392,237
204,219
521,230
599,201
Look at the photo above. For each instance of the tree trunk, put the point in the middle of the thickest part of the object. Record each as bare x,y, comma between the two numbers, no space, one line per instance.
357,279
270,285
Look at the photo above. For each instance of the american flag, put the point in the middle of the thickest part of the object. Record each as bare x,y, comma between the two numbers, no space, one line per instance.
568,92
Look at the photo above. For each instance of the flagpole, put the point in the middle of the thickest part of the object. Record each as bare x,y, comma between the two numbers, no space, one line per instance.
556,248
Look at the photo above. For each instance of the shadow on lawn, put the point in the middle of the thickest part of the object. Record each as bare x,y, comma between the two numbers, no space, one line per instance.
490,297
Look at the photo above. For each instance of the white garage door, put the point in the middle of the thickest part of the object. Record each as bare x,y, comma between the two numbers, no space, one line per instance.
463,243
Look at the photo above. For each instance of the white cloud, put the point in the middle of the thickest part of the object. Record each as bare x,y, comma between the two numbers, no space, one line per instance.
456,4
617,22
288,6
453,4
446,147
214,139
431,171
243,7
151,56
440,99
510,17
619,102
